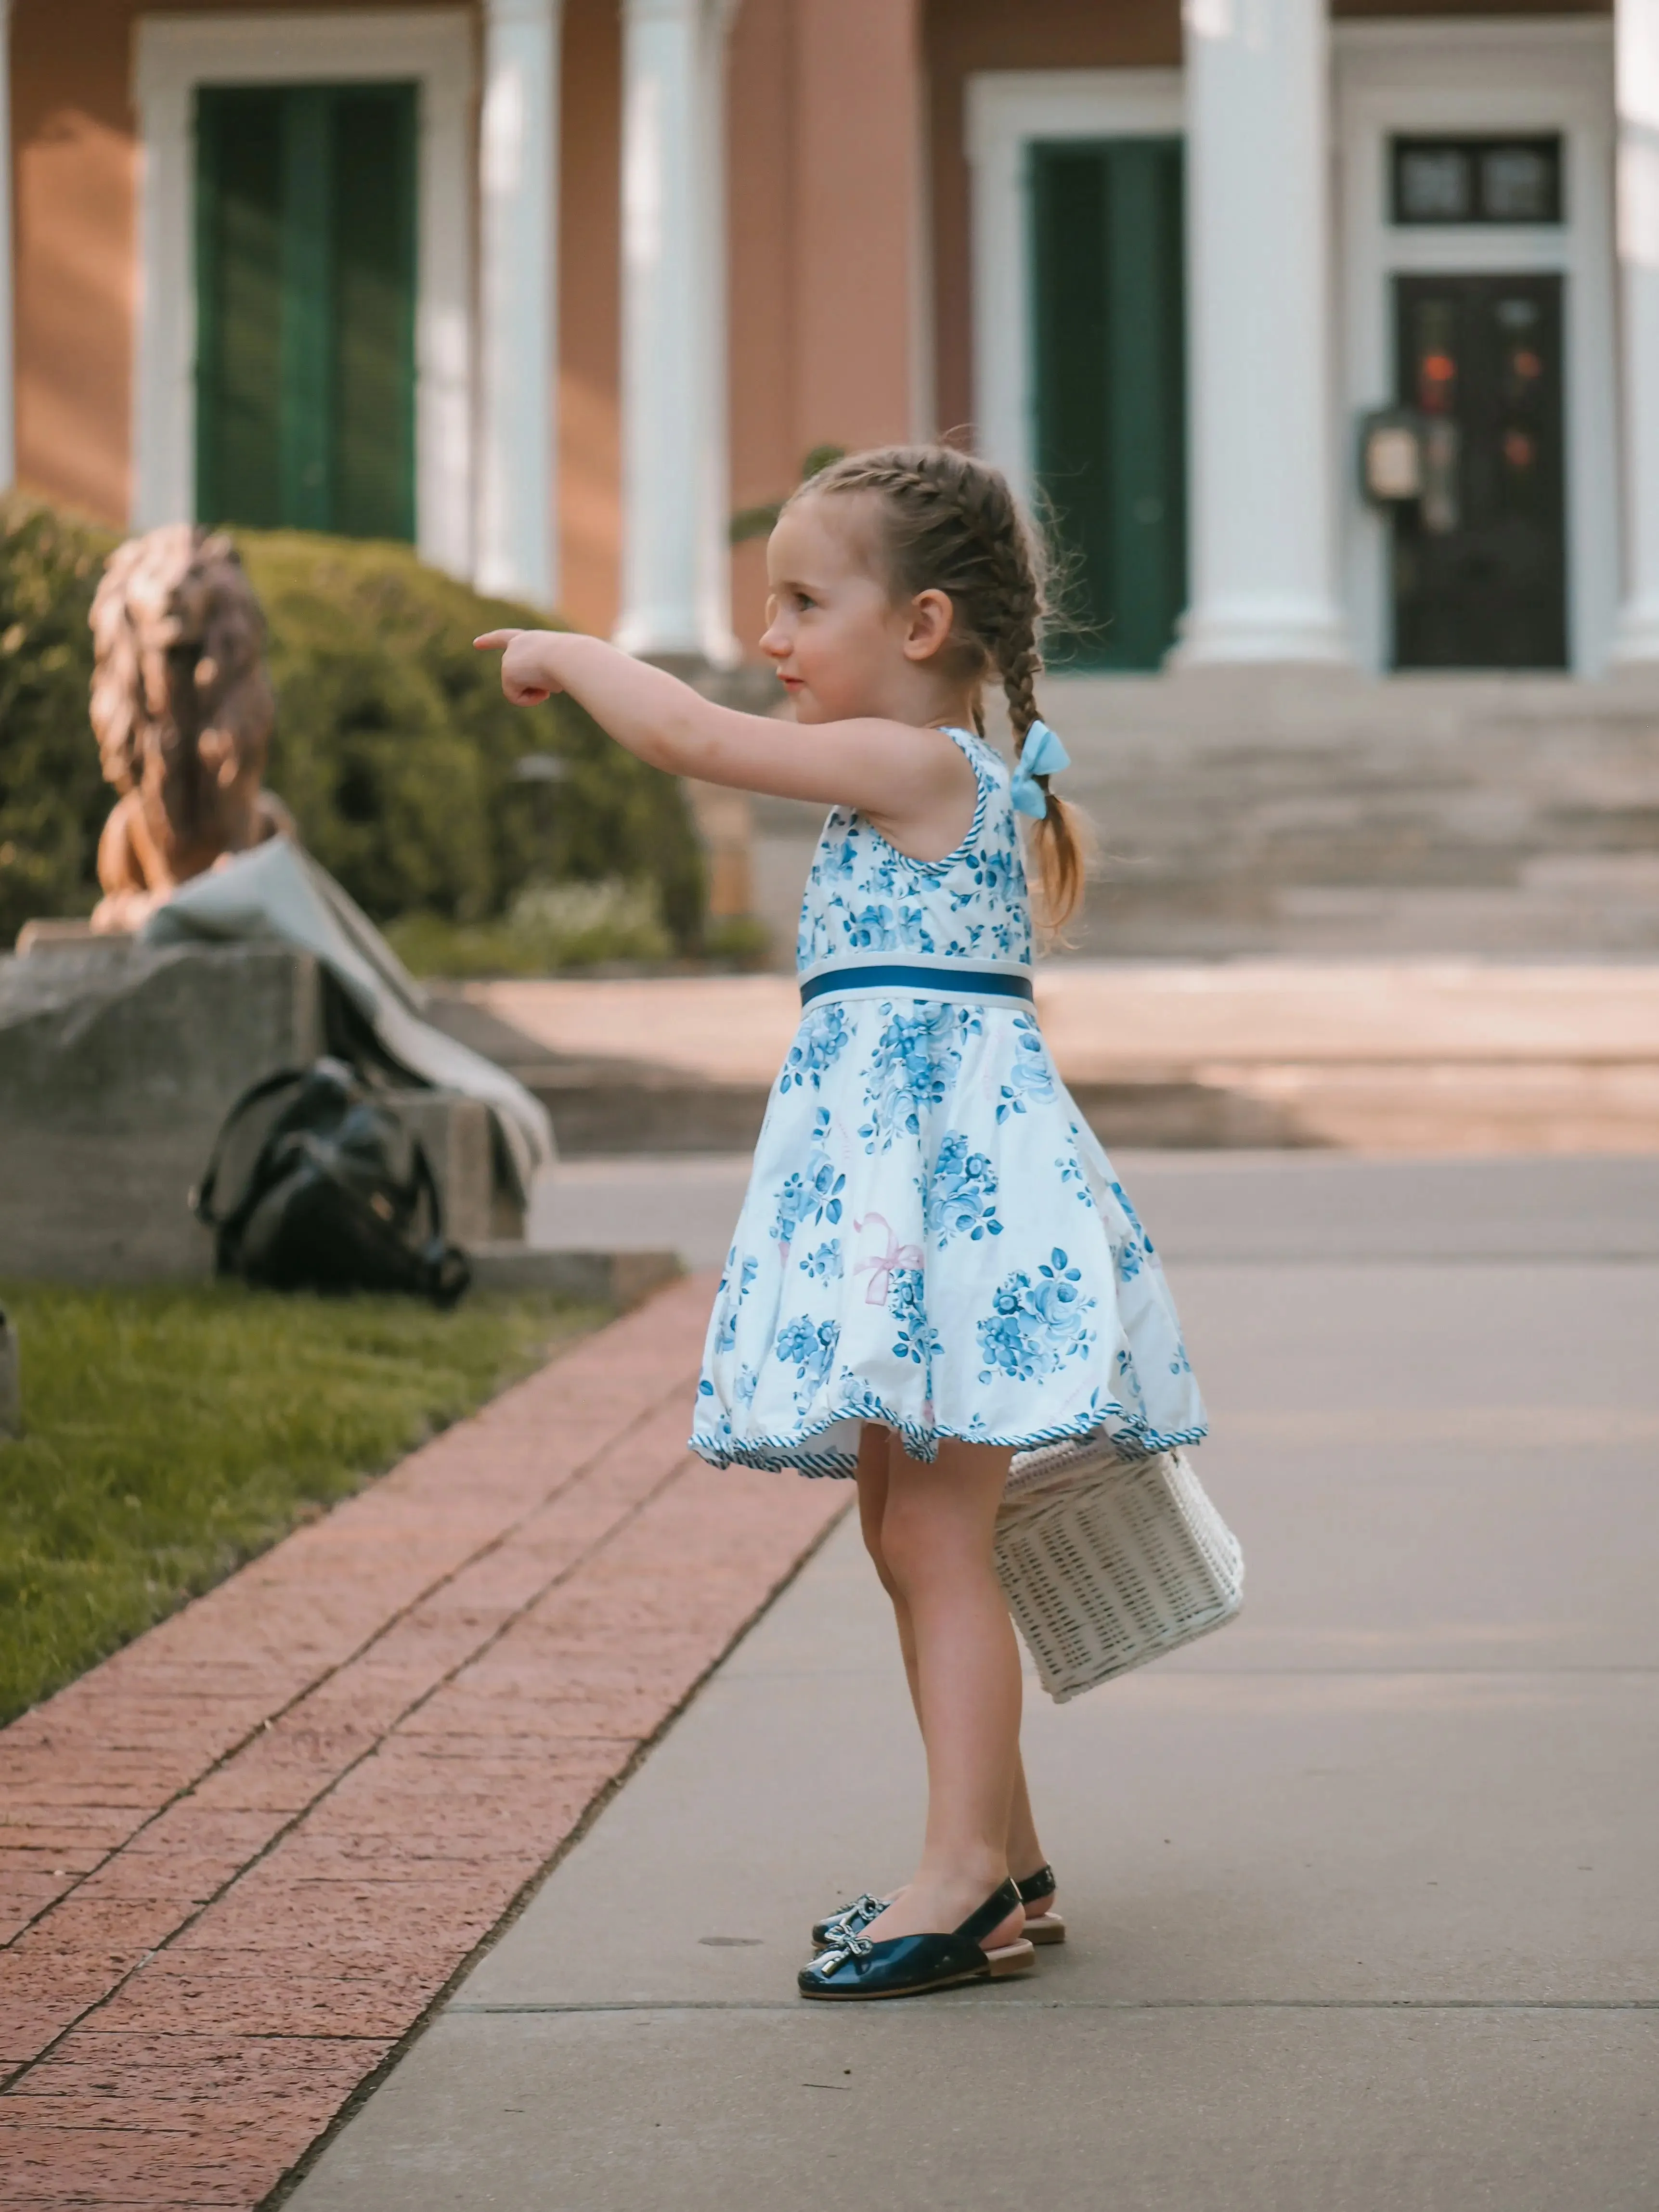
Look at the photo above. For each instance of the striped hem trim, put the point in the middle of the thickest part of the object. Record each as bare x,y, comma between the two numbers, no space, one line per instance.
786,1454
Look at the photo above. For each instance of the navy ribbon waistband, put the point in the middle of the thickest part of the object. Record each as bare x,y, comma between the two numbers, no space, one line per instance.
964,982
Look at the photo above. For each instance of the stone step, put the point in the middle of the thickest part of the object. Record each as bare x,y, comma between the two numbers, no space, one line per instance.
1322,815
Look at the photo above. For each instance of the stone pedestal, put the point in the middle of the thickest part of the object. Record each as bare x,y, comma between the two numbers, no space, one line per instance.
118,1062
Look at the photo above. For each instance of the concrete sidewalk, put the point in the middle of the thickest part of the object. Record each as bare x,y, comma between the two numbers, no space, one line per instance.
1360,1891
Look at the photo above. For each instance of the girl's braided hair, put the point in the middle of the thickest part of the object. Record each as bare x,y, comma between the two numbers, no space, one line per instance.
949,523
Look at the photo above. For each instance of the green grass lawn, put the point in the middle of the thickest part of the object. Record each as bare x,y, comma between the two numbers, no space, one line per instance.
171,1433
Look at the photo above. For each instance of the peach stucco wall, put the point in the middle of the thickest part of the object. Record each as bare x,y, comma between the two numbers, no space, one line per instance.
72,129
823,98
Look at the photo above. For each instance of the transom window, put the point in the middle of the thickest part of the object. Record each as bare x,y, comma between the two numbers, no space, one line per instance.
1475,180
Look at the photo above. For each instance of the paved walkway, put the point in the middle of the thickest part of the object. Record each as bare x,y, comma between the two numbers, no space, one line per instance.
1361,1890
1384,1055
239,1859
1278,1206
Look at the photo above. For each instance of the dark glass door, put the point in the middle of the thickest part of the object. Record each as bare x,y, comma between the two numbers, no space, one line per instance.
305,371
1479,561
1109,375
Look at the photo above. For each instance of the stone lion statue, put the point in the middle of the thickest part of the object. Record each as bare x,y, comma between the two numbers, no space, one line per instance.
183,709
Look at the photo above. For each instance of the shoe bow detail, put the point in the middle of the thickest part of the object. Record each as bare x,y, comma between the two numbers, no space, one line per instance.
850,1919
841,1947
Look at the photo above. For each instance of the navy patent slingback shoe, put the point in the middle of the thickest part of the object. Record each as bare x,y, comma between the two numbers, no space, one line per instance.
1042,1925
851,1920
854,1968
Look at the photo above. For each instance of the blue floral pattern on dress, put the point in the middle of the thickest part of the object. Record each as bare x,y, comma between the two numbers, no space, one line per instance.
726,1334
824,1265
917,1339
916,1057
819,1044
1072,1177
1035,1325
814,1193
810,1348
864,895
932,1239
961,1199
1122,1198
1031,1079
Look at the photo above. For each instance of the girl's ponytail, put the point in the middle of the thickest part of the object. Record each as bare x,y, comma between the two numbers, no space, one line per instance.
951,524
1059,848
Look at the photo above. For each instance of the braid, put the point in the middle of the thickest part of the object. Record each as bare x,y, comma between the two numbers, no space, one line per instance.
951,524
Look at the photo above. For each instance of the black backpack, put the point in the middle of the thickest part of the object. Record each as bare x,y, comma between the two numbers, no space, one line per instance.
340,1196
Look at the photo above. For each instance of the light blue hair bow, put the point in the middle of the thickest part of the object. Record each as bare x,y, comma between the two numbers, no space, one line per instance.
1043,754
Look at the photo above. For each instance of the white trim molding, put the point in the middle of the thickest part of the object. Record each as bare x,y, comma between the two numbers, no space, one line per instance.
8,255
1009,112
676,594
1635,70
176,54
518,301
1523,74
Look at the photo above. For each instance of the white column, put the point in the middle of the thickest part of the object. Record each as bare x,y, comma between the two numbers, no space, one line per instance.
8,387
1263,458
518,381
1636,83
676,597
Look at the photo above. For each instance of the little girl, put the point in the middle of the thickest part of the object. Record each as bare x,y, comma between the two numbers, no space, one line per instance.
934,1267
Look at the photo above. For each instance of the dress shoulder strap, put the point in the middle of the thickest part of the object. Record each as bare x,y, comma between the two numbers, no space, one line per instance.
990,770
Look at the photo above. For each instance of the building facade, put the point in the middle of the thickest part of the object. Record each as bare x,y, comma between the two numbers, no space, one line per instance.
551,287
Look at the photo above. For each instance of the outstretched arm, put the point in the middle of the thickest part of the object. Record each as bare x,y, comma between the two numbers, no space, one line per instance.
894,774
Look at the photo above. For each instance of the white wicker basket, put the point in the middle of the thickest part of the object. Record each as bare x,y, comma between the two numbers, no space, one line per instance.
1108,1563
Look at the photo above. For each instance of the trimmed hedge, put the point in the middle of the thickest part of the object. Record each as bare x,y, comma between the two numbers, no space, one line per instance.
393,746
53,802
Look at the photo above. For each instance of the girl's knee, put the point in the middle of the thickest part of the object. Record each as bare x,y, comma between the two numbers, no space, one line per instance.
870,1529
940,1521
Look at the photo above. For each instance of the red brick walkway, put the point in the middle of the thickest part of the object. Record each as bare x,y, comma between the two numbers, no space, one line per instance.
239,1859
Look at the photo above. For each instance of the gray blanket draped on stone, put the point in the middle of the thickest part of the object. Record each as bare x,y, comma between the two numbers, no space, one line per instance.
277,892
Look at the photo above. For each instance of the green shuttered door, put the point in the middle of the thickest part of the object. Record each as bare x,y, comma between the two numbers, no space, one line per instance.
1109,378
305,376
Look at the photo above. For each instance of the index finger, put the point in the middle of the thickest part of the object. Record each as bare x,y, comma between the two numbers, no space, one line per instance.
494,640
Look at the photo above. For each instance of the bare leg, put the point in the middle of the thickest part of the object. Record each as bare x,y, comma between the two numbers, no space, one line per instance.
874,1446
1025,1853
937,1525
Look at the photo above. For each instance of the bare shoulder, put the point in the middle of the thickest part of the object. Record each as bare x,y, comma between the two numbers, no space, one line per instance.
922,752
928,789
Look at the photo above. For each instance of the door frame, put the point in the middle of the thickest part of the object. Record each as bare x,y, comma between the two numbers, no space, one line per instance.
175,55
1007,112
1465,77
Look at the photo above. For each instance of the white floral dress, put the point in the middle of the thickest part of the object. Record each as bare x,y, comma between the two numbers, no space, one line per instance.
932,1239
